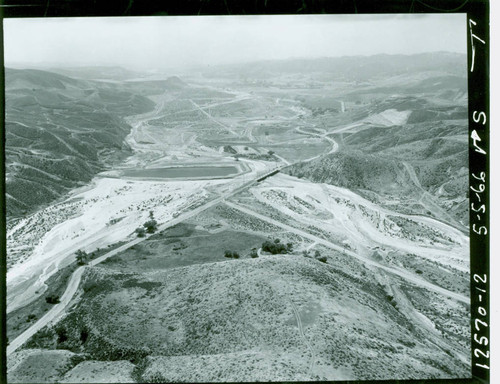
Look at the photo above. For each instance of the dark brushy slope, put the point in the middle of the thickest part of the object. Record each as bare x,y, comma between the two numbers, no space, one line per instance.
60,132
417,168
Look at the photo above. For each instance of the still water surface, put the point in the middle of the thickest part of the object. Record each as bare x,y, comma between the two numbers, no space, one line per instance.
184,172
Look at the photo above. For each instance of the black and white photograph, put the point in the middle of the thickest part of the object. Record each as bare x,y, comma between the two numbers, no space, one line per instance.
239,198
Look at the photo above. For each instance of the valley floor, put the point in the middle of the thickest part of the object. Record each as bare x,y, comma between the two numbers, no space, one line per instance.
359,292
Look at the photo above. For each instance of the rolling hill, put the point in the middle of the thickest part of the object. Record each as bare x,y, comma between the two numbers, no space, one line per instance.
283,317
60,132
400,165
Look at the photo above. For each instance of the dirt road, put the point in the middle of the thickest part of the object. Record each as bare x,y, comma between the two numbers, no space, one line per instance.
303,336
393,270
57,310
54,312
324,135
212,118
428,200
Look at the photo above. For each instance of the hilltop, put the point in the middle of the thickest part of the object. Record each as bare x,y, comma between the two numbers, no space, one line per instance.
272,318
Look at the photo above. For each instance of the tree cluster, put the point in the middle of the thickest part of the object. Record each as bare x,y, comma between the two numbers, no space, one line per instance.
52,299
82,257
276,247
141,232
317,255
232,254
149,226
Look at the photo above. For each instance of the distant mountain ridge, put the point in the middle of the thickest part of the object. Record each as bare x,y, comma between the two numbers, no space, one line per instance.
26,78
97,72
349,67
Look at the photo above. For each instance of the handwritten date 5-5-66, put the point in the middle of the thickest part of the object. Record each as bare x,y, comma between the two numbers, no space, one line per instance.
476,206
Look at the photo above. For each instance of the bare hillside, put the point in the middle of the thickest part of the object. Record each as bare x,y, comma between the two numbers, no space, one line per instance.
228,318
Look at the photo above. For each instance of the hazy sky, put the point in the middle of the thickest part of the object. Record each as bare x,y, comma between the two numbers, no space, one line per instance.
175,42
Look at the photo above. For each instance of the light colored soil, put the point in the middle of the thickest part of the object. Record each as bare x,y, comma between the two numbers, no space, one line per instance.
341,214
100,372
38,366
249,365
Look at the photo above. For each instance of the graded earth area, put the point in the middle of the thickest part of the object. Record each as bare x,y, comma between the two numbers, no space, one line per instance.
328,239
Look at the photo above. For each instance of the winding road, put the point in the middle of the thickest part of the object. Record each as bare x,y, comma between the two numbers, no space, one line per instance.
324,135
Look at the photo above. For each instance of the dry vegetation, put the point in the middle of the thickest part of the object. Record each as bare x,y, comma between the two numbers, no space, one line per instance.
174,308
238,312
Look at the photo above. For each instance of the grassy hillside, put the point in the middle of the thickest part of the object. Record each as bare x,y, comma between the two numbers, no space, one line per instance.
237,320
59,133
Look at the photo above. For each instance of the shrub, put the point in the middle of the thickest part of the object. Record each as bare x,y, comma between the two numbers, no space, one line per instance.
151,226
42,339
89,286
76,359
52,299
141,232
62,334
254,254
81,257
322,259
275,247
231,254
84,334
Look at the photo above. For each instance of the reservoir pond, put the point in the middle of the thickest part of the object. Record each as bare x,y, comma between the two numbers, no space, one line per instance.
181,172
